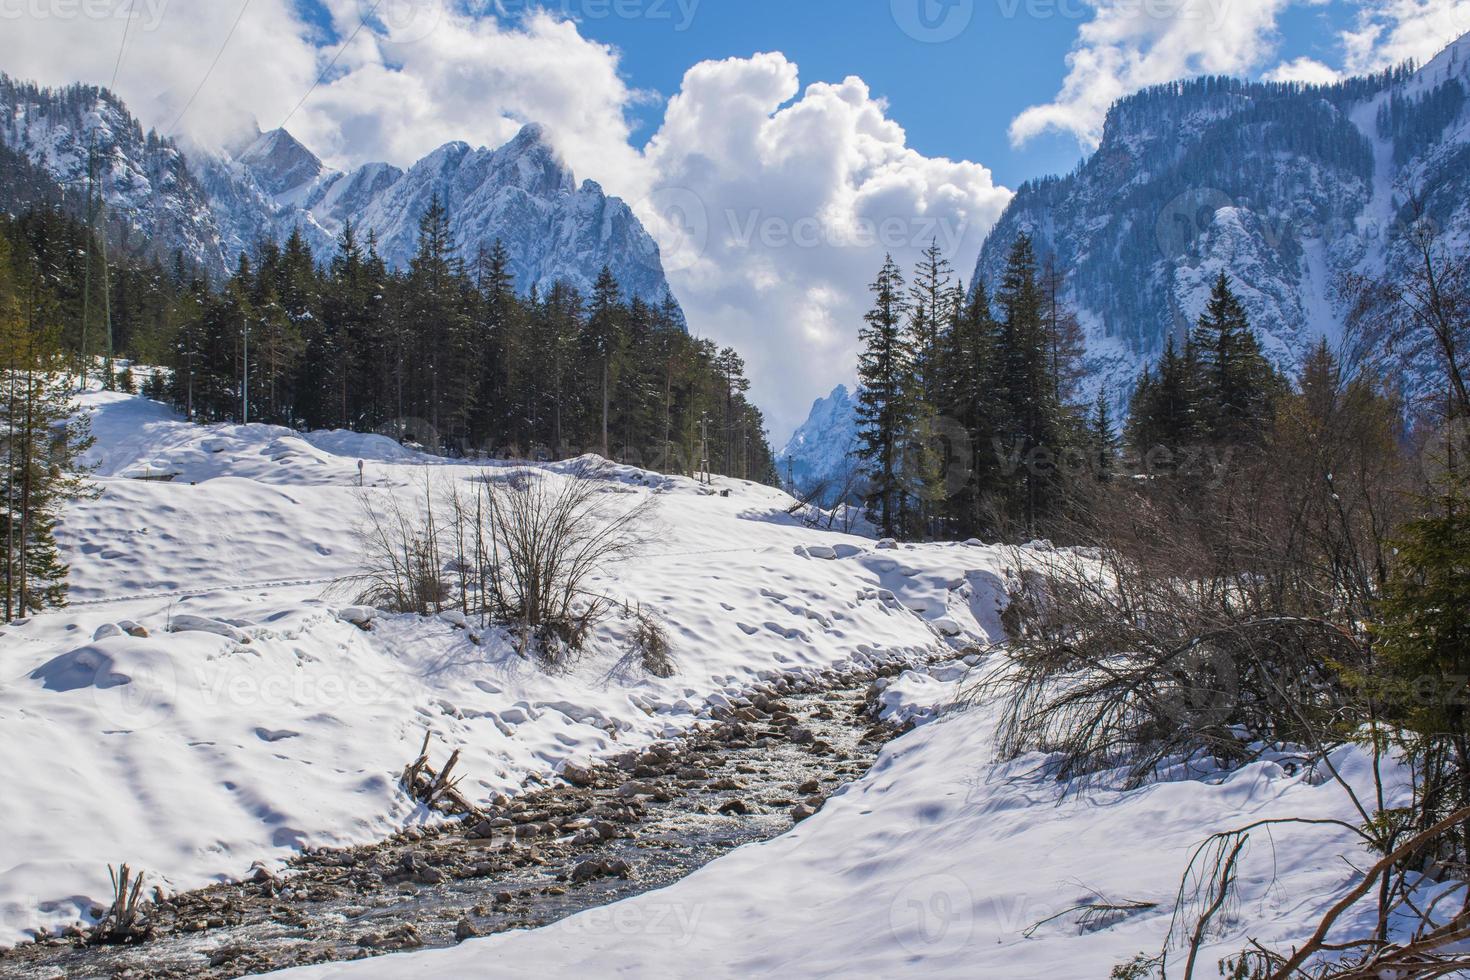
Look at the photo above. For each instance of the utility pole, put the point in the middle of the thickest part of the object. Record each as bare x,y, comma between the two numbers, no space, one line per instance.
245,386
704,476
87,271
106,302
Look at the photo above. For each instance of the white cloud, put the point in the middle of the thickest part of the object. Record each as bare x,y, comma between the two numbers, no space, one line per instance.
1389,32
788,205
1131,44
801,193
1306,70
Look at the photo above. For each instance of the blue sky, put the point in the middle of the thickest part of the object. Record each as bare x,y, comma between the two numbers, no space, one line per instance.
954,95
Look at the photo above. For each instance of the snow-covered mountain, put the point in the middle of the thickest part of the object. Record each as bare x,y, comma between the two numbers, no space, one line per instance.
214,205
1284,187
84,136
819,452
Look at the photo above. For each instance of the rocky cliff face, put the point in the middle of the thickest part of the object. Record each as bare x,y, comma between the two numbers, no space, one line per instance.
819,453
1286,188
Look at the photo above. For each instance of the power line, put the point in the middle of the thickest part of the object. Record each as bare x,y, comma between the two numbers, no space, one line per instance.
210,71
333,63
117,65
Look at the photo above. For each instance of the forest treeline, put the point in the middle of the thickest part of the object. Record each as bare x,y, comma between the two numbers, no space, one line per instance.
446,354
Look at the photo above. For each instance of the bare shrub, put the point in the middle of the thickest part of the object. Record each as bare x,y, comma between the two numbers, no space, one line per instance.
1111,664
125,920
651,644
519,549
538,541
400,569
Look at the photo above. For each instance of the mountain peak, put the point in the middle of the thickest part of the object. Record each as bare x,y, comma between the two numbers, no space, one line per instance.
531,133
280,162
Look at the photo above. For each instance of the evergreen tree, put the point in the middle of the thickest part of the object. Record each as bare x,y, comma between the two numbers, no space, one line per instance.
1237,383
968,390
1032,427
603,341
1102,441
932,312
1164,414
885,370
42,442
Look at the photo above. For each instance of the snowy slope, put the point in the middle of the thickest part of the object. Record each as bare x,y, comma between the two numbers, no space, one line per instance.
193,755
939,863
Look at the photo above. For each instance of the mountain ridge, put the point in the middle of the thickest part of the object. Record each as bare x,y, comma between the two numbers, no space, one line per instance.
217,205
1287,188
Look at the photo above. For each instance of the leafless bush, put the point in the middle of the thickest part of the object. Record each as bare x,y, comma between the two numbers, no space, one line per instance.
540,539
520,549
651,643
400,569
1113,664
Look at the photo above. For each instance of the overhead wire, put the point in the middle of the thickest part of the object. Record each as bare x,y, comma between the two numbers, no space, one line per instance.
333,63
210,70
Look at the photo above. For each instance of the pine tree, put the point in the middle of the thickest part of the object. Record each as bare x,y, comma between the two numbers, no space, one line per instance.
1237,383
43,443
603,340
968,391
1102,441
885,370
1032,427
932,312
1165,411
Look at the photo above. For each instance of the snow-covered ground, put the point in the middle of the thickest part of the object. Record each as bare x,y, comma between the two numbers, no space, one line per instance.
193,755
941,863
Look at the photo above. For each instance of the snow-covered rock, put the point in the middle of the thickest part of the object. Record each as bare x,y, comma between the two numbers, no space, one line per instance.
819,453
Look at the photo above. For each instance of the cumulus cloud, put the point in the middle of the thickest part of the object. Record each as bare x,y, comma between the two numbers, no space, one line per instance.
780,205
1131,44
774,206
1388,32
417,74
1306,70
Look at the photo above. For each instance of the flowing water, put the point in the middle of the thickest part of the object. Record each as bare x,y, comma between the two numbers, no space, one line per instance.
547,854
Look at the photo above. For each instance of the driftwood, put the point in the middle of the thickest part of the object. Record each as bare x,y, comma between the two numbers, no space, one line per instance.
124,921
437,790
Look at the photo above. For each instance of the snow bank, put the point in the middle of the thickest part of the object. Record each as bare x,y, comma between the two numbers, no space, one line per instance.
941,863
192,753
